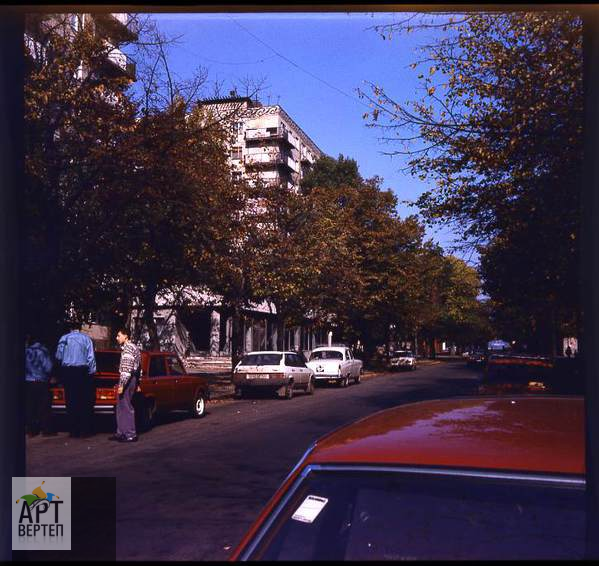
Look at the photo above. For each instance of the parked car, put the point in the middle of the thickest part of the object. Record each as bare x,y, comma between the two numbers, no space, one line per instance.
282,372
460,479
476,358
335,364
403,359
517,373
164,384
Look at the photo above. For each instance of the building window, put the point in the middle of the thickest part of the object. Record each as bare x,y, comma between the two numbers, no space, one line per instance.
236,176
237,128
235,152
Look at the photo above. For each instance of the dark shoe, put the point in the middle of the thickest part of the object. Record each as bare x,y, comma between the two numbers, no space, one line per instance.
116,437
49,433
31,434
88,435
74,435
125,439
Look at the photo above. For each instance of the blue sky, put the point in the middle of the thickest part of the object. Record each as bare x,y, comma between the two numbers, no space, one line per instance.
339,49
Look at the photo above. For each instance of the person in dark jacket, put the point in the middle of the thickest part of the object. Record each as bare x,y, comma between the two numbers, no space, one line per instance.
38,365
75,354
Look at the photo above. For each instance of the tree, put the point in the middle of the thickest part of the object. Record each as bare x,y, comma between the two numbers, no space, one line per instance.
372,275
76,121
498,132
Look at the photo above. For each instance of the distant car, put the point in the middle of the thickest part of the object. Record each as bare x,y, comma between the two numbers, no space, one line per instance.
282,372
403,359
165,386
459,479
476,358
335,364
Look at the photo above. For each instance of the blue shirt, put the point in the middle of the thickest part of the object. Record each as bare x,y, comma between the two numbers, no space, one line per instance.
76,349
38,363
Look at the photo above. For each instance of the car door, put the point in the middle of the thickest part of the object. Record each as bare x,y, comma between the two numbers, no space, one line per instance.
353,363
181,384
293,363
157,384
300,368
306,371
346,365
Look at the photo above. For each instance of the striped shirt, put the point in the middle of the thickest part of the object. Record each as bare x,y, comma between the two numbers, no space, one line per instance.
130,362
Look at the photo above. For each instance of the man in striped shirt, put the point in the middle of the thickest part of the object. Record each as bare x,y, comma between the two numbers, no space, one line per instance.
129,371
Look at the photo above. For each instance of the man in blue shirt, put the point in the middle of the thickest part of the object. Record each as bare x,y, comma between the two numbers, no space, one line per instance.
75,354
38,366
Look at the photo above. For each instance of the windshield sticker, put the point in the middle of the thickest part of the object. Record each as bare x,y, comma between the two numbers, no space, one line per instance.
310,509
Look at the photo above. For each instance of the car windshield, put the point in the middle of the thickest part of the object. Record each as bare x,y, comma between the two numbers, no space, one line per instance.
326,355
403,354
397,516
261,360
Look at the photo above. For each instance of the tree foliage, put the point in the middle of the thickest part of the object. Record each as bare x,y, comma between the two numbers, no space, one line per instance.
498,134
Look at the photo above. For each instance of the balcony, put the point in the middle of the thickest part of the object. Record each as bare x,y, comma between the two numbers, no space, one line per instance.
118,27
269,160
118,63
260,135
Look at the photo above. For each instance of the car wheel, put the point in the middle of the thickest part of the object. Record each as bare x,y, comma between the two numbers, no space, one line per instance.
358,378
147,415
310,387
344,382
199,406
238,393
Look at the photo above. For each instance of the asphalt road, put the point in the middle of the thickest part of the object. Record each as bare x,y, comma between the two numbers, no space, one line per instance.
189,489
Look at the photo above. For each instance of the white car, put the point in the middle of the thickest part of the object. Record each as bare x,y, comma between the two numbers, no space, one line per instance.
335,364
403,359
283,372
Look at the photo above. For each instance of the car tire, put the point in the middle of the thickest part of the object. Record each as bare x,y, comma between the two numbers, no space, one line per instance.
344,382
238,393
358,378
199,406
310,387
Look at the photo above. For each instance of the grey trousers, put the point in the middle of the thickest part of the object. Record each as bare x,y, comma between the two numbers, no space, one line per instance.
125,413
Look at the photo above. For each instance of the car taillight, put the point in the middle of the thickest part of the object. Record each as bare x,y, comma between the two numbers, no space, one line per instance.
106,394
58,395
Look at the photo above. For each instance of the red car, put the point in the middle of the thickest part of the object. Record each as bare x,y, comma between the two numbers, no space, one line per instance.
164,384
461,479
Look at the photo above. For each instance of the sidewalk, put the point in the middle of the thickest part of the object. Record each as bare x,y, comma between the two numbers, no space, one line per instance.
221,386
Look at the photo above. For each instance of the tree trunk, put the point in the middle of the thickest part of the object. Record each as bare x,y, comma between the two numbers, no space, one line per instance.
416,342
280,334
554,332
433,353
236,337
149,302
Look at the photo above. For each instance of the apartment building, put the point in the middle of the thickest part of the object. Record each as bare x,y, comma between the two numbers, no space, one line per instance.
114,29
266,143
